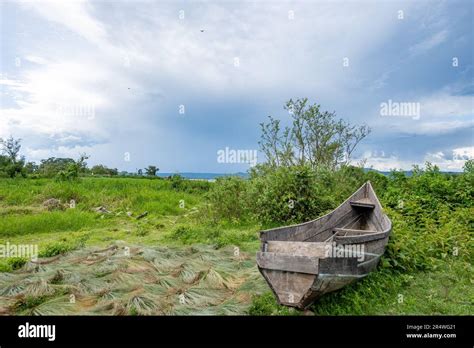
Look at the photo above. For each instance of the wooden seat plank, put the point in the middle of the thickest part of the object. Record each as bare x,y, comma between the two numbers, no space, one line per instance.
287,262
311,249
363,203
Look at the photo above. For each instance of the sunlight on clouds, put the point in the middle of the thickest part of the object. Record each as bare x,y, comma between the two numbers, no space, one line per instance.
72,14
50,99
446,105
61,151
430,42
120,66
36,60
454,162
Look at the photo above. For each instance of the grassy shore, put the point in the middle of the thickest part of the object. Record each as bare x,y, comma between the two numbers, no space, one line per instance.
177,218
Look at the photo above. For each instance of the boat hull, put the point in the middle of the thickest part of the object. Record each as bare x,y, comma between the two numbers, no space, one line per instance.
303,262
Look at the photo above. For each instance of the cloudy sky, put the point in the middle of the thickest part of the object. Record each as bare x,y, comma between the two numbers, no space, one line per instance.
133,83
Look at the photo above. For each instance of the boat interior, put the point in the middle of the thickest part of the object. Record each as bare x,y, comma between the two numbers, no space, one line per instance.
359,217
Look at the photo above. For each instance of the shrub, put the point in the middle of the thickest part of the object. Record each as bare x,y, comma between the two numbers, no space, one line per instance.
178,183
16,262
278,195
266,304
56,249
431,213
229,196
288,195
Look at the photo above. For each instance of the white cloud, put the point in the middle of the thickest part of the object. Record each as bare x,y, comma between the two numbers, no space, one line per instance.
113,55
54,99
72,14
36,59
446,105
441,112
444,127
36,155
162,51
455,162
387,163
430,42
463,153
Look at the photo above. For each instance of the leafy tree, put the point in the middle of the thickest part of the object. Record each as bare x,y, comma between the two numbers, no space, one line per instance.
8,169
10,164
11,147
73,169
469,166
81,163
31,168
315,137
151,170
100,169
52,166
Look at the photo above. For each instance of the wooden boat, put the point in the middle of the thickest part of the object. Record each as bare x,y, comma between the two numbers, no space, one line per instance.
303,262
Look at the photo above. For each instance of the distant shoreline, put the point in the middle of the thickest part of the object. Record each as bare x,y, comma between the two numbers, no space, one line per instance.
213,176
202,176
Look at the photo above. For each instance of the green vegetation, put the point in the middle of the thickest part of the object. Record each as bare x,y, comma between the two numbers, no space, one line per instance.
26,218
10,164
427,267
315,138
163,238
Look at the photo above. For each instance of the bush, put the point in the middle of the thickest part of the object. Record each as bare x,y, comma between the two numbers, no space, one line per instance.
71,173
16,262
56,249
266,304
10,168
284,195
217,236
431,214
178,183
229,196
288,195
192,235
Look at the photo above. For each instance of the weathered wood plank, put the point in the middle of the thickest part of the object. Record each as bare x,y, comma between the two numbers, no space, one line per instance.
338,265
322,232
363,203
289,287
368,265
290,263
310,229
350,231
360,238
311,249
295,261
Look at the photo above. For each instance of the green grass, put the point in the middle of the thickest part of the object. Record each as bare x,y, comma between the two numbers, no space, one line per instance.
46,222
114,193
447,291
24,219
245,237
419,265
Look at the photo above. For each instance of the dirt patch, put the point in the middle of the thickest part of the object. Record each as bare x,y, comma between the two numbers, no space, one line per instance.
53,204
